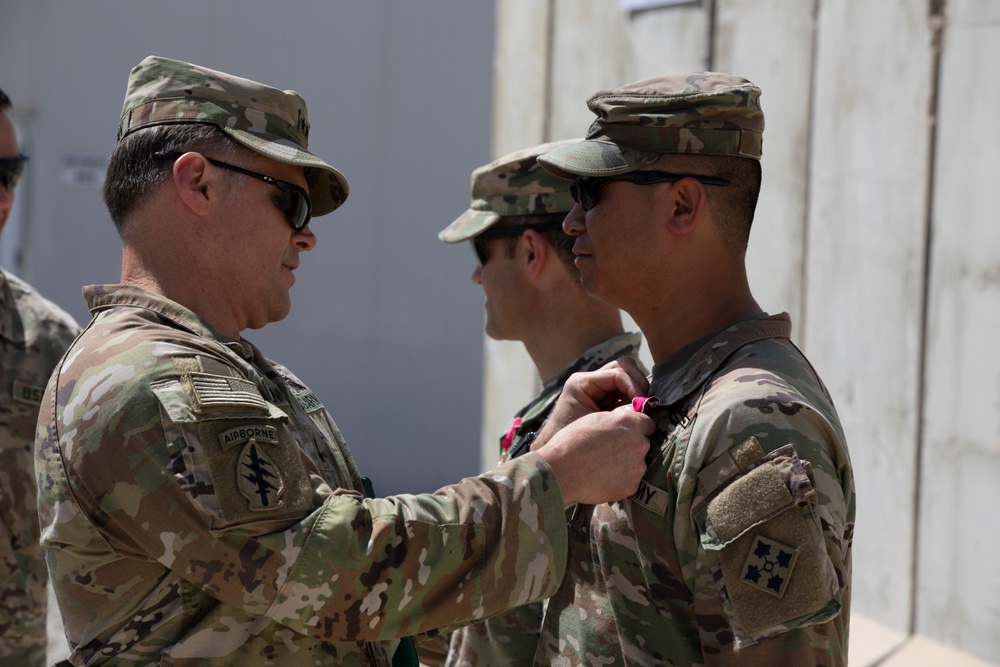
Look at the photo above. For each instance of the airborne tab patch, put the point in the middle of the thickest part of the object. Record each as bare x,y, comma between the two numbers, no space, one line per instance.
219,391
769,565
240,434
259,479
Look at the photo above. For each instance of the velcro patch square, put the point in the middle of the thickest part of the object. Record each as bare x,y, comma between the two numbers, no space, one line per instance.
219,391
769,565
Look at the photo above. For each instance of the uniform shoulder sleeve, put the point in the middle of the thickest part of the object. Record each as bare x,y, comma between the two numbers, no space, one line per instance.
773,510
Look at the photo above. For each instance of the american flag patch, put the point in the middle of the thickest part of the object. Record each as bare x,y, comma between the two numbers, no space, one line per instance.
218,391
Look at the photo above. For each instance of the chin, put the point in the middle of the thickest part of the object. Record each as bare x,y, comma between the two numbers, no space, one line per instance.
597,291
277,312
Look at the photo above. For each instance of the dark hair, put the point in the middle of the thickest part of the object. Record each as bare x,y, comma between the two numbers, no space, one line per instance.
134,174
733,206
4,101
557,239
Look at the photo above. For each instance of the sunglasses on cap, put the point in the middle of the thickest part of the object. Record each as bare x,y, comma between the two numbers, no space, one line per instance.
294,202
479,242
586,190
11,169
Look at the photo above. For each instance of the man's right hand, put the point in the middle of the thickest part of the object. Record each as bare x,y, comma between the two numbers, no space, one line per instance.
600,457
613,384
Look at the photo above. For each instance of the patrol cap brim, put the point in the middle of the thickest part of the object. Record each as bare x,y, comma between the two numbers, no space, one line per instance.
594,157
468,225
328,188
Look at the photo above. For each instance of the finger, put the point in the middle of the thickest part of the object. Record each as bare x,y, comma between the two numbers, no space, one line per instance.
631,367
612,382
638,420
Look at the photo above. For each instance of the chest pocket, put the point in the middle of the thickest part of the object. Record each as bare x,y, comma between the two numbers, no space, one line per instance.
233,453
762,538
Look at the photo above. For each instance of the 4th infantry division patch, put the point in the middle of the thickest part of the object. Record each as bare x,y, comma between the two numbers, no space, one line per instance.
769,566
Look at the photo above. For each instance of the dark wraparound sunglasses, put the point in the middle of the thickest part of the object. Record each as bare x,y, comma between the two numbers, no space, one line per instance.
294,202
479,242
11,169
586,190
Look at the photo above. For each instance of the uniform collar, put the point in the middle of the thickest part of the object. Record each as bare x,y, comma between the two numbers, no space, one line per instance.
7,308
679,375
626,344
105,297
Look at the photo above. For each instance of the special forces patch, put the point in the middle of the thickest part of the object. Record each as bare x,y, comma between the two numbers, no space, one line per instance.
769,566
259,479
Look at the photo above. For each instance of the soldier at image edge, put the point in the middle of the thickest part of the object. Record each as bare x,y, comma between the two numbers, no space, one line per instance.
533,295
198,503
34,334
736,549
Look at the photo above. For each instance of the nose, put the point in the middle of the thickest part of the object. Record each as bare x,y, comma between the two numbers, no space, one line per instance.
477,274
304,239
574,223
6,204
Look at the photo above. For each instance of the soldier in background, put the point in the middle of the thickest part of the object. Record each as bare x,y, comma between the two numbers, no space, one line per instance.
199,504
533,295
34,333
736,549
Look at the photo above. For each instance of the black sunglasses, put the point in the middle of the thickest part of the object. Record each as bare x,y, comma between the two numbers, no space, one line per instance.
294,202
11,169
479,242
586,190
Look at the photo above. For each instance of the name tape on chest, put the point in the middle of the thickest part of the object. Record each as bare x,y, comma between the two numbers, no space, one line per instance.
309,401
219,391
26,393
652,498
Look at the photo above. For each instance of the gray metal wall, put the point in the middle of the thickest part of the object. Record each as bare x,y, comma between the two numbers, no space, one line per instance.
876,230
385,325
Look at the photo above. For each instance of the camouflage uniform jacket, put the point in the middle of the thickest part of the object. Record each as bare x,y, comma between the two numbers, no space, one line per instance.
736,549
34,333
200,507
511,637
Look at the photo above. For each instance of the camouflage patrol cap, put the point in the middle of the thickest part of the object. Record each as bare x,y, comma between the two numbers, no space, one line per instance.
702,113
514,184
266,120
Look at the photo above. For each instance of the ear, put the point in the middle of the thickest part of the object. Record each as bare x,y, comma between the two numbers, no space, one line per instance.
533,253
686,206
194,182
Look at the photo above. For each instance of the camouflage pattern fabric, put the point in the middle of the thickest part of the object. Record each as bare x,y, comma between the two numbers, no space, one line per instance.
272,122
512,185
736,549
700,113
34,333
511,638
200,507
533,415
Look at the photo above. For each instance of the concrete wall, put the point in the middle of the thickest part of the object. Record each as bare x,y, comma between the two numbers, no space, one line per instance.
385,325
875,230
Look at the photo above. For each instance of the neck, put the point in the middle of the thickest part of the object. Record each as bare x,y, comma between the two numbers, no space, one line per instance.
692,311
566,328
168,276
